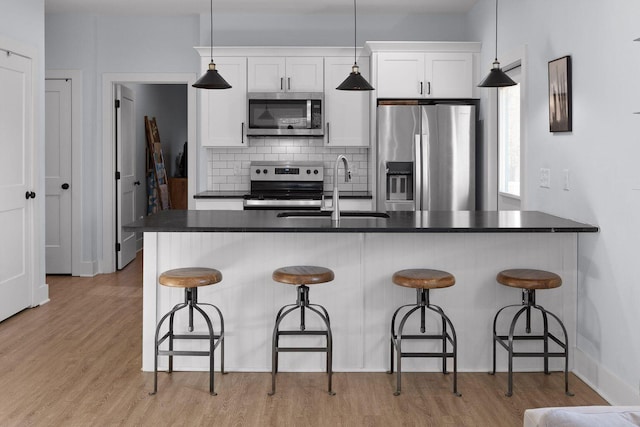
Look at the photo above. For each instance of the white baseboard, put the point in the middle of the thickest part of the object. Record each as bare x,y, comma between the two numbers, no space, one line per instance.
612,388
88,269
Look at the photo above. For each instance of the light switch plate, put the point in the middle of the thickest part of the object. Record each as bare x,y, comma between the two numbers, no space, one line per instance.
545,178
566,176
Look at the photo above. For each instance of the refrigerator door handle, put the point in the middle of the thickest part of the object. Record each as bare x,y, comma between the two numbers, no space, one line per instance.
417,173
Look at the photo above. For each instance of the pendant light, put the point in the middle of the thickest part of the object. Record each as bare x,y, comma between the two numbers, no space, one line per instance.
211,79
354,80
496,77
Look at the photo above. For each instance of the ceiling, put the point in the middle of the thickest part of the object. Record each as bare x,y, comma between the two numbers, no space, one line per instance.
182,7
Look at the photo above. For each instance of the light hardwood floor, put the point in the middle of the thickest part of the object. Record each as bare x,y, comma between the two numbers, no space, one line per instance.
76,362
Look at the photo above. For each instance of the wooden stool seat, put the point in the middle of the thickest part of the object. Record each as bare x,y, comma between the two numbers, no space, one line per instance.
303,275
525,278
423,278
191,277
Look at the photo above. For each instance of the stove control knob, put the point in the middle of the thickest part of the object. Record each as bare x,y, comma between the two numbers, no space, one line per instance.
258,171
308,171
264,171
315,171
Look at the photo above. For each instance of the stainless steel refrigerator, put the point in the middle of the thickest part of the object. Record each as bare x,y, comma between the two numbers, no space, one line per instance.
426,157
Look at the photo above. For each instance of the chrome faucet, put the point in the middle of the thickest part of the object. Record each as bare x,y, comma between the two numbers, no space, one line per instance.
335,215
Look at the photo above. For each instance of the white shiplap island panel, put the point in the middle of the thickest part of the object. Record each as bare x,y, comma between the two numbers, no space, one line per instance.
362,297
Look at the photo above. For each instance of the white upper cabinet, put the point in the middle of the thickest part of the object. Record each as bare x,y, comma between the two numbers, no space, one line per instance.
425,75
346,112
223,112
285,74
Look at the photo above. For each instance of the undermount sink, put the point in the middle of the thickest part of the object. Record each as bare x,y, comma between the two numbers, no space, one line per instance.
327,214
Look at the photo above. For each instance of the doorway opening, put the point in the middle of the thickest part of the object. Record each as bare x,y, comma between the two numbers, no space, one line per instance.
171,99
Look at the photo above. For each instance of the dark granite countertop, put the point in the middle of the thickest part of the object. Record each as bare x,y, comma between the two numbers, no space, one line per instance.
398,222
241,194
220,195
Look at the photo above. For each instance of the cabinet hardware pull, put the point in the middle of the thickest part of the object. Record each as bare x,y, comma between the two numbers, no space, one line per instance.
428,88
242,133
421,88
288,83
328,134
281,83
30,195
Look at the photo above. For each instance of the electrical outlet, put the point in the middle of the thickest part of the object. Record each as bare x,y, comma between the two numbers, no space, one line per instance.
566,179
236,168
545,177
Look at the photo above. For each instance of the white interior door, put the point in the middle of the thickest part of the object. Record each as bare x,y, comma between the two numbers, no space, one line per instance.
16,184
125,169
58,176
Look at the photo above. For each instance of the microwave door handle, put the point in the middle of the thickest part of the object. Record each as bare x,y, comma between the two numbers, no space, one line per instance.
417,173
308,114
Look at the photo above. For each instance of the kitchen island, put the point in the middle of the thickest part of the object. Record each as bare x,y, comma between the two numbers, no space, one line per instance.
246,246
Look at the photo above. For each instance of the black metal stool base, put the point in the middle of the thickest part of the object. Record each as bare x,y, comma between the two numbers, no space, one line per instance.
507,341
301,304
215,340
421,306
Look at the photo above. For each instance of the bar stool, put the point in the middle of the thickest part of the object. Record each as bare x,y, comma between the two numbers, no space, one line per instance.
423,280
530,280
190,279
301,277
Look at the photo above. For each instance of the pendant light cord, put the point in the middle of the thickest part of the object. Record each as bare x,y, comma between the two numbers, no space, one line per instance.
211,24
496,30
355,31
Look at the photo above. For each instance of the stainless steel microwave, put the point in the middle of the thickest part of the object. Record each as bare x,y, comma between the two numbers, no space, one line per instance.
285,114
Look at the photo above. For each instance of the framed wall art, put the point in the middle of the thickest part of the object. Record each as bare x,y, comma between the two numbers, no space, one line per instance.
560,94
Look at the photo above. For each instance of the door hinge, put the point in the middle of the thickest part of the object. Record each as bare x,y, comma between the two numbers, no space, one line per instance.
117,247
118,175
117,103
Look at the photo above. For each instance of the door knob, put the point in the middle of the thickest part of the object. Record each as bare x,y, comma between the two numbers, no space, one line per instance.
65,186
30,195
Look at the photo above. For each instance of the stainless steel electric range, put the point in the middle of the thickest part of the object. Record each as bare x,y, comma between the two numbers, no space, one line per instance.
285,185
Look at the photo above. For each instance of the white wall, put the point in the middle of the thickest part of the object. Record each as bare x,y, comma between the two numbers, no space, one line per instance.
601,154
320,29
112,44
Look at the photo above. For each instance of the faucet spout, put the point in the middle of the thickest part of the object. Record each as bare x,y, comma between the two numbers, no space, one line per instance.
335,215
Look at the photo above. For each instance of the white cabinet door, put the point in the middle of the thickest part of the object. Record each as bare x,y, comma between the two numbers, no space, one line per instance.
305,74
346,112
425,75
266,74
219,204
223,112
285,74
449,75
400,75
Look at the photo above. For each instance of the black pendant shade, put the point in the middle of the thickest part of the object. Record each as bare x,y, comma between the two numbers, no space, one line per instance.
211,79
497,77
355,81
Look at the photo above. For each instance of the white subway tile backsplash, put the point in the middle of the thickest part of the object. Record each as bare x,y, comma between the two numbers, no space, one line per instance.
228,168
